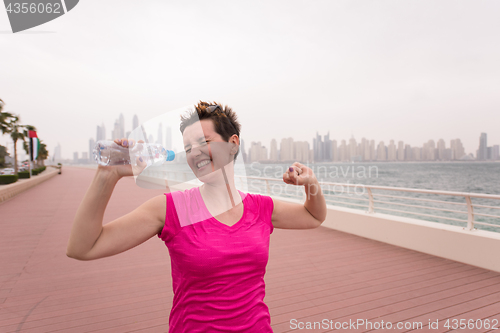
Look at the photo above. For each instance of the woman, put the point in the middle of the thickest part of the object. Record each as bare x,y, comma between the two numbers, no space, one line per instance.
217,236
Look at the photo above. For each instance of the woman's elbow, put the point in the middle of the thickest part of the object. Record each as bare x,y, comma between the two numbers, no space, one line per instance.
76,255
73,255
319,221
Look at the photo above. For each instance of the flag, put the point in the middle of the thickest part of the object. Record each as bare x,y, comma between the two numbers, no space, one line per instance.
34,145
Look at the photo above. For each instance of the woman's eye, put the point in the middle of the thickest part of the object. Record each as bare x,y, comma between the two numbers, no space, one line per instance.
188,151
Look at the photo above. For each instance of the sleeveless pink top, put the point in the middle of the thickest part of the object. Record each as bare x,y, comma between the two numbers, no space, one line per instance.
217,270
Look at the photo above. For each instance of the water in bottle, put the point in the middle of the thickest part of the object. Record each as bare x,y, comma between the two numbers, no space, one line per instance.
109,153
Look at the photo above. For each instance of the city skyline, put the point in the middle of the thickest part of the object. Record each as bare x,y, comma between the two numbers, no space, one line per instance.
326,150
323,148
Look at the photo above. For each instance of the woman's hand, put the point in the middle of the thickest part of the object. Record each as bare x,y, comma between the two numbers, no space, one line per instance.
299,174
126,170
288,215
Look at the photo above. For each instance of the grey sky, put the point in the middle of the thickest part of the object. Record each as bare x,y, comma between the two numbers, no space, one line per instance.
402,70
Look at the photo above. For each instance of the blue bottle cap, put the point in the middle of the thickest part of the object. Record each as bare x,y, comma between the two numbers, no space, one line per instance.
170,155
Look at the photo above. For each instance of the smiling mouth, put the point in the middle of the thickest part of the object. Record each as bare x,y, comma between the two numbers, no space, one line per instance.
203,163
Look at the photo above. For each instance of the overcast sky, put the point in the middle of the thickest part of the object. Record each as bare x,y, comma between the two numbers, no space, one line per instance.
401,70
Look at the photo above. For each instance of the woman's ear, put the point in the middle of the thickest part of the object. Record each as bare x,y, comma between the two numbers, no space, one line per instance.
235,139
235,142
235,148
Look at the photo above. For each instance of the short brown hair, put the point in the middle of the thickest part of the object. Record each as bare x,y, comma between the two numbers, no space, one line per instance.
224,119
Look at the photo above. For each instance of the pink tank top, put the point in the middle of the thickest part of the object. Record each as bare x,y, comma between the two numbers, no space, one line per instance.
217,270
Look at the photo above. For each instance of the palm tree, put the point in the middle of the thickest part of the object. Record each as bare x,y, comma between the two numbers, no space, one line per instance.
43,153
6,119
16,132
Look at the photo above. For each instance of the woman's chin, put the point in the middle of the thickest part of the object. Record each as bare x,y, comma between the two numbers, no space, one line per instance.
209,176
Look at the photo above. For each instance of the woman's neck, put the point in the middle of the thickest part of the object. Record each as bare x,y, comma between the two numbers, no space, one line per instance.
221,196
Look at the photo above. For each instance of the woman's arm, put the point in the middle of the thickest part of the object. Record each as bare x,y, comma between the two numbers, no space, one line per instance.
89,239
287,215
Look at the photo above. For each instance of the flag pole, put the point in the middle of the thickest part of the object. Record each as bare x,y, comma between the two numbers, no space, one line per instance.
29,155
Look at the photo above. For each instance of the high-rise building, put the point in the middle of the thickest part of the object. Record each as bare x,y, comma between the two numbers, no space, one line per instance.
495,152
391,151
116,133
335,151
482,152
381,154
408,153
119,128
75,157
352,149
343,153
448,154
373,152
432,151
159,138
57,152
101,133
91,148
263,154
273,153
441,149
401,151
301,151
322,148
457,149
318,148
327,148
257,152
121,121
286,149
98,133
429,151
416,154
365,149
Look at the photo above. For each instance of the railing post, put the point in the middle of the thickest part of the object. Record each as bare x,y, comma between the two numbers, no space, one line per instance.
470,213
371,205
267,188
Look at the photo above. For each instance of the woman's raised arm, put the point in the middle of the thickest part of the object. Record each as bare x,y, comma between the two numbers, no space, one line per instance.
289,215
89,239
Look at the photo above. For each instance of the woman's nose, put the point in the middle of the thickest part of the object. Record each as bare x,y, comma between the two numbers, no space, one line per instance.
195,150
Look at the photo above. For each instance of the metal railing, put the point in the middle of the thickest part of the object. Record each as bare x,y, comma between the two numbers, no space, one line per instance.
369,198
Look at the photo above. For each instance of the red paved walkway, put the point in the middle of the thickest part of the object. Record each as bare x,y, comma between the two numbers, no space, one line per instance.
312,274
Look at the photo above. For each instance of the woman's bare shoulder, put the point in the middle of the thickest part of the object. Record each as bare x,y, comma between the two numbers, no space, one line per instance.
157,206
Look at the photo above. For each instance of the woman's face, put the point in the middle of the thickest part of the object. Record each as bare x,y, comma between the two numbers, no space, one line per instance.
206,150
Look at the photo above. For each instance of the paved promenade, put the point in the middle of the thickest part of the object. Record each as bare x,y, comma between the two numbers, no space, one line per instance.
312,274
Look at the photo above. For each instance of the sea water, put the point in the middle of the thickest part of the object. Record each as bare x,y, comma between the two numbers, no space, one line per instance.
470,177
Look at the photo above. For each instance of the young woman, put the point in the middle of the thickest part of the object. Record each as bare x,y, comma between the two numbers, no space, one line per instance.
217,236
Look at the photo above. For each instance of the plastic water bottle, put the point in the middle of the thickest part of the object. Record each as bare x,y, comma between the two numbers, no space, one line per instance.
109,153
